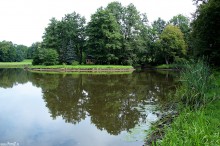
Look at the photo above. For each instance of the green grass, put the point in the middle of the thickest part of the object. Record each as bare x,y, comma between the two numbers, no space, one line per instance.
16,64
29,64
96,73
170,66
165,66
199,127
83,67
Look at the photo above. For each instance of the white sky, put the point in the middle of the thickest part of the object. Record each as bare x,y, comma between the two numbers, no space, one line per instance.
24,21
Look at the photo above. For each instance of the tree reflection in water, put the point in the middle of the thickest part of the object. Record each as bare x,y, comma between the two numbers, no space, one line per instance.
110,100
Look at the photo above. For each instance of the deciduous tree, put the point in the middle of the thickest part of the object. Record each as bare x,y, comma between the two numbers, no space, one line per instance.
206,32
104,37
172,44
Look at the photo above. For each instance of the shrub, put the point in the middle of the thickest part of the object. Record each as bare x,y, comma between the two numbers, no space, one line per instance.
39,56
45,57
75,63
51,57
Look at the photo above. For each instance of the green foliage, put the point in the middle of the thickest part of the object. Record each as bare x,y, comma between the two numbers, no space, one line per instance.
166,66
10,52
70,55
66,37
31,50
196,127
75,63
172,44
45,57
115,35
196,83
206,32
21,52
158,26
183,23
51,57
200,128
104,37
127,44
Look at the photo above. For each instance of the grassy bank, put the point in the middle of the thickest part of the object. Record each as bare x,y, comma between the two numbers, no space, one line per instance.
82,72
28,63
198,128
166,66
198,122
22,64
83,67
169,66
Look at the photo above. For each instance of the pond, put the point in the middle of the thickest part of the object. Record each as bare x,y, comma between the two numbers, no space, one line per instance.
41,109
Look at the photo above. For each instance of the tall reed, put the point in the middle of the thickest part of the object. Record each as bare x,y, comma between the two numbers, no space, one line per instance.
196,83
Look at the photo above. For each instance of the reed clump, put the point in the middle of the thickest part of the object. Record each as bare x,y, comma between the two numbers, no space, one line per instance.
196,82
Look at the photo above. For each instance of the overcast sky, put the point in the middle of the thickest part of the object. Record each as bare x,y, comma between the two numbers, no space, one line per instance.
24,21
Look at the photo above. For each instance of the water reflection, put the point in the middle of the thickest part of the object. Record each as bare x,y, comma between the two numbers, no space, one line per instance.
11,77
113,103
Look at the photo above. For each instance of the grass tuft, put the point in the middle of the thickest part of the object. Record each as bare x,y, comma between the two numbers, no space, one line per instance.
199,127
196,83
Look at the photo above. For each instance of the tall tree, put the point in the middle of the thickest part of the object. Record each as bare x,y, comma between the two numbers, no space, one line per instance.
50,37
131,30
4,51
70,54
117,11
158,27
59,34
172,44
21,52
133,25
32,49
182,22
104,37
206,32
10,52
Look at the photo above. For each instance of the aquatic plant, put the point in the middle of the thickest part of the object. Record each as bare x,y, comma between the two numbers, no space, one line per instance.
196,83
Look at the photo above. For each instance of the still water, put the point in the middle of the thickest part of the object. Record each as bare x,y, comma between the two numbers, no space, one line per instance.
38,109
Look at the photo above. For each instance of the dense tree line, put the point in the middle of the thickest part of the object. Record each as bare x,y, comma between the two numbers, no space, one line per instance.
122,35
205,30
66,37
117,35
10,52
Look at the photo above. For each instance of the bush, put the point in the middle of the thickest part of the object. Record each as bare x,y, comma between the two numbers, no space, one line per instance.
51,57
75,63
45,57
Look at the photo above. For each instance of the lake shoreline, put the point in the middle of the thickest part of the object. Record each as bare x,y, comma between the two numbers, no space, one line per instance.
81,69
158,129
170,129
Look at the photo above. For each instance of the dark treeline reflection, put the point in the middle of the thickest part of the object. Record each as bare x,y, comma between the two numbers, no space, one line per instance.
11,77
110,101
